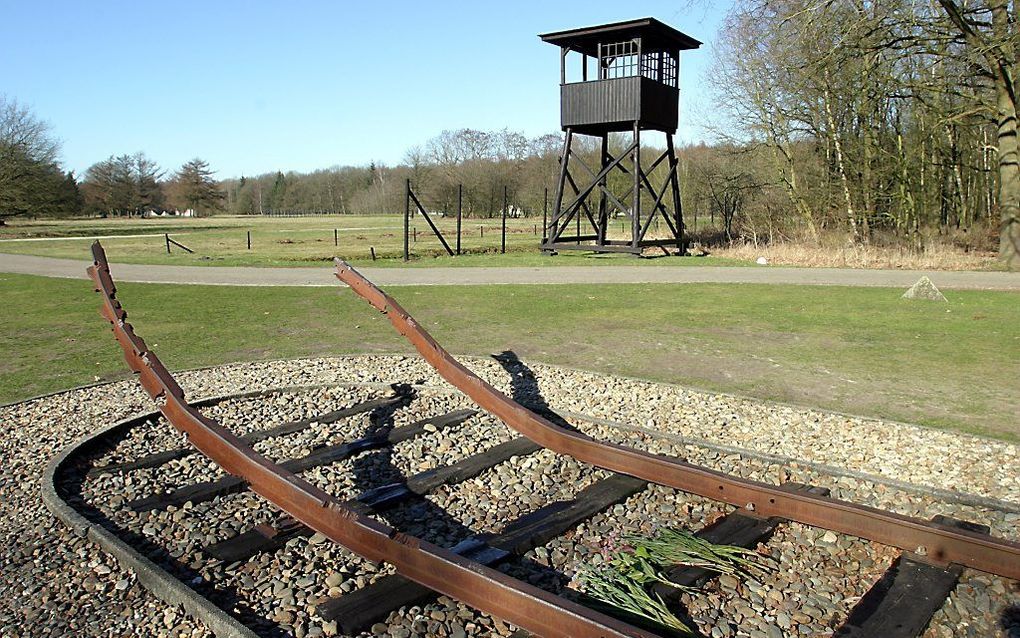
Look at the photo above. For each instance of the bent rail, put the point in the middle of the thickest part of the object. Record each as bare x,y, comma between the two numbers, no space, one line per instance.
440,569
939,543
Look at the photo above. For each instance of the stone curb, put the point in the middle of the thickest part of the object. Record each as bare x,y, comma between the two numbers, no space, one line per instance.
166,587
151,576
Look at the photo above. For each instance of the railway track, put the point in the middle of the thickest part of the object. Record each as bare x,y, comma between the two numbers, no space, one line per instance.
479,560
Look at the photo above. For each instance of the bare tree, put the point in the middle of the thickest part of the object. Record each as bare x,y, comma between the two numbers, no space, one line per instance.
877,115
125,184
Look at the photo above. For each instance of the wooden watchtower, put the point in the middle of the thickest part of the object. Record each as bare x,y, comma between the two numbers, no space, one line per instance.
633,86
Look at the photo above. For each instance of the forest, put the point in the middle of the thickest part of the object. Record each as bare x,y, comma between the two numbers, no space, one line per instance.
890,122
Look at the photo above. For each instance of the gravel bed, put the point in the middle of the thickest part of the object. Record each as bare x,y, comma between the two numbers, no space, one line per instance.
243,415
513,489
76,589
436,448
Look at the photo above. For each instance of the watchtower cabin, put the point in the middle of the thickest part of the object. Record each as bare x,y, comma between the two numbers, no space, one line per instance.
627,81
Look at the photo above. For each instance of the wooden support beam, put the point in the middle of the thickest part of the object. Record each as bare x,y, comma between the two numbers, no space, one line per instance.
359,609
909,593
208,490
159,458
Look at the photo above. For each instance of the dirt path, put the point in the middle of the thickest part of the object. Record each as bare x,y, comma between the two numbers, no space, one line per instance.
246,276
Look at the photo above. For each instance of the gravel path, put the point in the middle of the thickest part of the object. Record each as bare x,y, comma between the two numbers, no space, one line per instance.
242,276
53,583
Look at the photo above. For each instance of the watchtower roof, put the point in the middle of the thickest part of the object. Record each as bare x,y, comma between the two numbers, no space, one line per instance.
653,34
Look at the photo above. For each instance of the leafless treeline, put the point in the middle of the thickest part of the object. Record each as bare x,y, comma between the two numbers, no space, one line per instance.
481,162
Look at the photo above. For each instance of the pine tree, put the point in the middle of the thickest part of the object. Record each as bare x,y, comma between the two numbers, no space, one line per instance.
30,176
197,188
149,191
69,200
278,191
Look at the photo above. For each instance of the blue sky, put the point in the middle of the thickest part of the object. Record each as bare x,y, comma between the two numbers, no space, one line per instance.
253,87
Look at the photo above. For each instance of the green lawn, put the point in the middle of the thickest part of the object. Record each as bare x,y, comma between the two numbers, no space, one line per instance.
304,241
859,350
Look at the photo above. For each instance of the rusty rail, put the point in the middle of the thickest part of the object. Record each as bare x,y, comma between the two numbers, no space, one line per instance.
439,569
937,542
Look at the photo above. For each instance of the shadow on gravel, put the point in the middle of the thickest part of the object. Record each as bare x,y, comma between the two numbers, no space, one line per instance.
525,390
1009,621
417,515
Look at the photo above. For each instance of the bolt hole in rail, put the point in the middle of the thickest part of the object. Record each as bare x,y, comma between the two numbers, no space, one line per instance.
446,571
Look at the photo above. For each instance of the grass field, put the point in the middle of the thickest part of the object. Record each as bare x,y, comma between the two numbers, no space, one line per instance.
304,241
859,350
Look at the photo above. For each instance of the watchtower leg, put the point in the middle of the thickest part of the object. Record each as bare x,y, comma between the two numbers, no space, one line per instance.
561,234
552,230
678,217
635,212
604,184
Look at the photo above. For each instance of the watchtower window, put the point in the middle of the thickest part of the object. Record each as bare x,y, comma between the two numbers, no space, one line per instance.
625,59
660,66
618,60
643,48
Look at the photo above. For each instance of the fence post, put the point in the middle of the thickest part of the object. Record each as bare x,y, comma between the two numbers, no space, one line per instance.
336,237
407,219
460,208
249,240
166,236
372,248
502,246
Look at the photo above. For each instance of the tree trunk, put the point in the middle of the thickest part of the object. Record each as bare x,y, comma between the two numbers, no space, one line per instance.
1009,160
1009,181
789,178
851,216
1001,55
